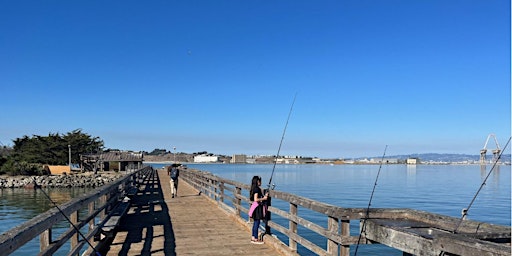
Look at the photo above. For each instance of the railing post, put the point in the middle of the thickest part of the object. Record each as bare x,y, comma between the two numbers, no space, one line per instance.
221,188
91,211
45,239
103,201
333,227
238,201
345,232
293,227
216,192
74,238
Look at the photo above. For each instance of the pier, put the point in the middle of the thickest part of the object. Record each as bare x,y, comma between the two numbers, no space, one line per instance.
137,216
188,224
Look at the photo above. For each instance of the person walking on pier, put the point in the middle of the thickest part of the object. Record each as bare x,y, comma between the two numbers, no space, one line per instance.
257,208
174,173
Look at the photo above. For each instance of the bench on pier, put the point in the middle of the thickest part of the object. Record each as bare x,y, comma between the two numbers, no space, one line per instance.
114,218
117,213
132,192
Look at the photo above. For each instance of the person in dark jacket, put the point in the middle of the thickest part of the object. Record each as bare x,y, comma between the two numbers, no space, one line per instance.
174,173
256,195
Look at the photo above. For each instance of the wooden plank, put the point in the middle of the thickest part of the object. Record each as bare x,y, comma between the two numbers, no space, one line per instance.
465,245
449,223
399,238
115,217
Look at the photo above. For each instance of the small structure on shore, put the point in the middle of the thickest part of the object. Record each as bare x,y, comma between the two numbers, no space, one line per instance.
57,169
126,160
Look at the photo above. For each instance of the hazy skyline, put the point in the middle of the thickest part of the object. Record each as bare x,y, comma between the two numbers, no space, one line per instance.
220,76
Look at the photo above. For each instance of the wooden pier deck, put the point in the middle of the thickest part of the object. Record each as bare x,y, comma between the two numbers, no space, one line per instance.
189,224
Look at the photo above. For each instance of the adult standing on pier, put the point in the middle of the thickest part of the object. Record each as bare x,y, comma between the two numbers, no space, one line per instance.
175,173
256,212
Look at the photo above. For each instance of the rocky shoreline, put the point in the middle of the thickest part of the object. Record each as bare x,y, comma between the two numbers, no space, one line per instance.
82,180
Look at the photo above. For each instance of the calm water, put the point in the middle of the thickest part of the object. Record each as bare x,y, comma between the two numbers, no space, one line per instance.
19,205
443,189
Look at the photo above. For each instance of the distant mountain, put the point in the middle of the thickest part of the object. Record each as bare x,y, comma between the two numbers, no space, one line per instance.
436,157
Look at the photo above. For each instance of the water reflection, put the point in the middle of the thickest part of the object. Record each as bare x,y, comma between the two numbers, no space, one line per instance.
411,174
18,205
495,179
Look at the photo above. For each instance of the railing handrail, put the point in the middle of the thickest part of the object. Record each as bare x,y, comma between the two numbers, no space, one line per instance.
16,237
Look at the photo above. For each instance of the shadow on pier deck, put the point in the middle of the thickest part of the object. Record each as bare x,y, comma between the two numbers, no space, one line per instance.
189,224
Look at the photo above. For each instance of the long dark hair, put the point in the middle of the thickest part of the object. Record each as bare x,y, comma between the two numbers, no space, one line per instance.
254,186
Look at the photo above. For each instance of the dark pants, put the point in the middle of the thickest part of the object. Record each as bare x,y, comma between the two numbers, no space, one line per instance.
255,228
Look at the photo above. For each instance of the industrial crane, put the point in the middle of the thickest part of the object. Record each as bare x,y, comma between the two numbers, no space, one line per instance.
495,153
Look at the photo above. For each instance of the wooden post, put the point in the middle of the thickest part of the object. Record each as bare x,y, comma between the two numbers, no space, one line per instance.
91,211
103,201
74,221
293,227
332,226
45,239
345,232
238,201
216,190
221,187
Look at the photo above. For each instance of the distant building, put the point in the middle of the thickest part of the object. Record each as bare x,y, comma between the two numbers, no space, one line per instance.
105,161
412,160
206,159
238,159
384,161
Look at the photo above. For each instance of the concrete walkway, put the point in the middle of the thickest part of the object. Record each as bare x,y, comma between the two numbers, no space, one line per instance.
188,224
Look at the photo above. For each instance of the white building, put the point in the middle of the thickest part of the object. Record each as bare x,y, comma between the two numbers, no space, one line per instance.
412,160
205,159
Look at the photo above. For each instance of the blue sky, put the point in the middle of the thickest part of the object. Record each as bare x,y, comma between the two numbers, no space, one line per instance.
220,76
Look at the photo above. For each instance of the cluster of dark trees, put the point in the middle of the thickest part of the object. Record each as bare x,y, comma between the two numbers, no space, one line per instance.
29,154
157,151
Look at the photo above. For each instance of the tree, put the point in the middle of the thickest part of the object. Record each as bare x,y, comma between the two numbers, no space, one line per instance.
157,152
82,143
30,152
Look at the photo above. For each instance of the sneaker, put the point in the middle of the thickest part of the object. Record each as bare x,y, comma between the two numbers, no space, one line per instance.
172,195
257,242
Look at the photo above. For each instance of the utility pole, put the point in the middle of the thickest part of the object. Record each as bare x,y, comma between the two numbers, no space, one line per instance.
69,150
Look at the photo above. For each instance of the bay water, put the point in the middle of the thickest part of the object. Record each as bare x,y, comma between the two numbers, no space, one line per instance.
442,189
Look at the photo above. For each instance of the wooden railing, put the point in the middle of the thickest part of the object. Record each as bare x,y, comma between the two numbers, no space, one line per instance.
231,195
98,204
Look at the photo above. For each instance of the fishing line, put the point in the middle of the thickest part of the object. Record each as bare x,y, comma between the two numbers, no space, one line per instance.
63,214
464,213
270,186
366,216
280,144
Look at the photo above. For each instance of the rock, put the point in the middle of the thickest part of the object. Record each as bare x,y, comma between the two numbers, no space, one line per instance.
63,181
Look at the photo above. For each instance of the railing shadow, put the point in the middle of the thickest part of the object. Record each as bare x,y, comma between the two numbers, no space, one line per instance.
147,222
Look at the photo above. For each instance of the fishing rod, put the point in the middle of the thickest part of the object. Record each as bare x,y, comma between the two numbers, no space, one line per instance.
367,213
270,186
65,216
280,144
466,210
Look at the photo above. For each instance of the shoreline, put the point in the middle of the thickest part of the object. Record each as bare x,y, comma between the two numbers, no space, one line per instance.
83,180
